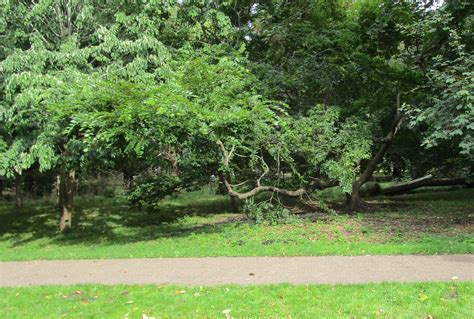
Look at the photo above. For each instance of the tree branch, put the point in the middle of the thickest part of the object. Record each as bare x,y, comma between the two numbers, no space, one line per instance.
260,188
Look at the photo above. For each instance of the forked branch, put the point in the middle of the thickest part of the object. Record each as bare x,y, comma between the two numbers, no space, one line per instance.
259,188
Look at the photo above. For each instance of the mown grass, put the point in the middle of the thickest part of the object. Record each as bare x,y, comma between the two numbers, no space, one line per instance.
387,300
201,224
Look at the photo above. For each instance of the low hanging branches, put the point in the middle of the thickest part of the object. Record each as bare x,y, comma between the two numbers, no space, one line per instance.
259,188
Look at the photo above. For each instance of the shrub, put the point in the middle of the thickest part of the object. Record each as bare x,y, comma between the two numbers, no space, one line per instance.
148,192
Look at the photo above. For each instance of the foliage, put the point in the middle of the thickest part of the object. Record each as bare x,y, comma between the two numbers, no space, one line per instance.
148,193
298,94
446,112
267,212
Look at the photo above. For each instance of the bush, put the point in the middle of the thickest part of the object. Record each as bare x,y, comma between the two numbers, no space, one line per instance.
267,213
148,192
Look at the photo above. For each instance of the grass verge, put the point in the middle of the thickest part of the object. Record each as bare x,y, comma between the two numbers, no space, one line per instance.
387,300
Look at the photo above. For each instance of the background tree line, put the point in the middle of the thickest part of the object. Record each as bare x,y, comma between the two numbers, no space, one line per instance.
278,96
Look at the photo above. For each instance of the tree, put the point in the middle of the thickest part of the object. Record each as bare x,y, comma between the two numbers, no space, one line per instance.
49,43
441,49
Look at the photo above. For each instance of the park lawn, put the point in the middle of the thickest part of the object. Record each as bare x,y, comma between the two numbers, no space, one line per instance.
386,300
201,224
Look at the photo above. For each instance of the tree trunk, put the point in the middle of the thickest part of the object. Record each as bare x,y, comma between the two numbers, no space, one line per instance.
18,191
233,199
67,181
1,188
128,180
29,183
354,198
354,201
454,181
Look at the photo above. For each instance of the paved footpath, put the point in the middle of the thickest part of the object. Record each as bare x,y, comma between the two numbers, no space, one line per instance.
240,270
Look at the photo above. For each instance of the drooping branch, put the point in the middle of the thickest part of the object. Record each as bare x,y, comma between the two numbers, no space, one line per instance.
260,188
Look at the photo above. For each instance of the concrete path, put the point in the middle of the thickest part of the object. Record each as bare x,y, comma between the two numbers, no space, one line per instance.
240,270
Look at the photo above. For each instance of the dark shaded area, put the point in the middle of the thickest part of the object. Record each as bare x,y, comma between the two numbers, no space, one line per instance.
96,220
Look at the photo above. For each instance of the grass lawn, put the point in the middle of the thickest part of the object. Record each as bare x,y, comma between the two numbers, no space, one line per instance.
201,224
387,300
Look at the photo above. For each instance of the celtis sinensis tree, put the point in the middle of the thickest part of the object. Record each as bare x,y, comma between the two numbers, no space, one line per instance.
50,45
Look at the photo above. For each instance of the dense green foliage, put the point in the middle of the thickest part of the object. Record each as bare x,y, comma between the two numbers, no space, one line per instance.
264,96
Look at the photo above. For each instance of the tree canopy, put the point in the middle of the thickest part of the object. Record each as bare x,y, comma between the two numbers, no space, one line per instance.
286,97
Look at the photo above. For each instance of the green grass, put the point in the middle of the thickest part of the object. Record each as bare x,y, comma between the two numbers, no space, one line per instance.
387,300
201,224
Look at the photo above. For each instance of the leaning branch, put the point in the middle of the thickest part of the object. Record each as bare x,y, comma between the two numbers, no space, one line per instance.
386,141
260,188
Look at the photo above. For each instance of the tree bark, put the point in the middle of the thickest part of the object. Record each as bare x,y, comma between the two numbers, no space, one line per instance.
354,200
18,191
424,182
67,180
233,200
128,180
29,183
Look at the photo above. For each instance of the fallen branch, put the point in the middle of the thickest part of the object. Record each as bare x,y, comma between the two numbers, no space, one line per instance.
425,181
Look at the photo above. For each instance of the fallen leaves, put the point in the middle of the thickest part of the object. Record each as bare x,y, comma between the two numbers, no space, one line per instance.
73,294
226,313
423,297
379,312
180,292
453,294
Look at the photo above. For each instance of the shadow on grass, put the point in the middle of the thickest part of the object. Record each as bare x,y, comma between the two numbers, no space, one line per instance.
459,194
112,221
108,221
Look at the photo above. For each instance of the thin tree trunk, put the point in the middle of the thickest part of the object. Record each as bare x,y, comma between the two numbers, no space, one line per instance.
128,180
354,201
67,180
233,199
29,183
18,191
